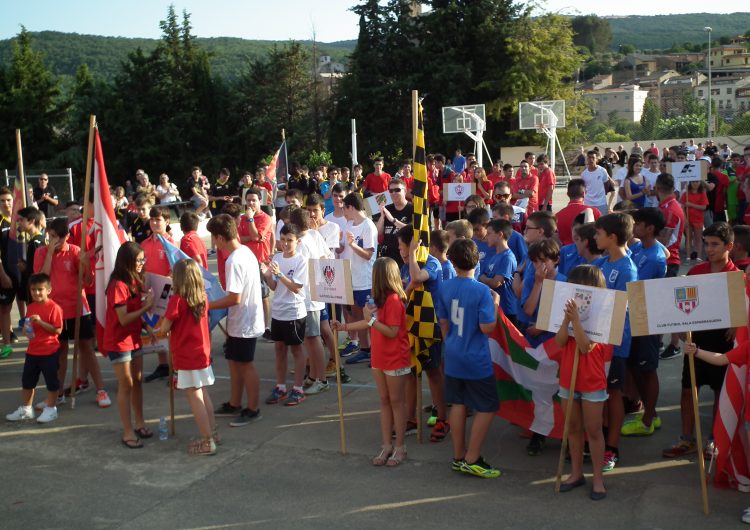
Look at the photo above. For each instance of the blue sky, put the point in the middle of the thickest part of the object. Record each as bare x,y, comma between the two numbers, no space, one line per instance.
259,19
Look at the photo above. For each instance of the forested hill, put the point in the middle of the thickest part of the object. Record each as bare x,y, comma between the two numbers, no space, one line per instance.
664,31
64,52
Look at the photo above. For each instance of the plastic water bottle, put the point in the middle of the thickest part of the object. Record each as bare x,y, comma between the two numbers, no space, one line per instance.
371,303
163,432
28,328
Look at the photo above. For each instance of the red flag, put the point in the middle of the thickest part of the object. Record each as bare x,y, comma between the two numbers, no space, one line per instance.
108,237
277,165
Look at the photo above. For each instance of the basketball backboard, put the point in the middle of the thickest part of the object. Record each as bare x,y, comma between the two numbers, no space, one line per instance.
463,118
541,114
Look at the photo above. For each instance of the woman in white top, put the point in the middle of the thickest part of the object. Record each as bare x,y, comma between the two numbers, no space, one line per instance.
166,191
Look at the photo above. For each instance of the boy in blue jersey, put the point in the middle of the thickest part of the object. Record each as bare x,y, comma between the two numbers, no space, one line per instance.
467,313
498,272
439,249
431,276
516,242
478,219
650,257
612,234
461,229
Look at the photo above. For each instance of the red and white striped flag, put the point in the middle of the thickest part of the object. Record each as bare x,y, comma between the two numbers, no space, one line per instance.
108,237
731,462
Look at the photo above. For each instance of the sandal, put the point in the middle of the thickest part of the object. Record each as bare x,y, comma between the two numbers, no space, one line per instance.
382,457
132,444
215,436
143,432
398,456
202,447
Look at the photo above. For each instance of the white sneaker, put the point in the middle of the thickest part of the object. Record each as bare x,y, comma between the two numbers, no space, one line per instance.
21,413
43,404
48,414
317,387
102,398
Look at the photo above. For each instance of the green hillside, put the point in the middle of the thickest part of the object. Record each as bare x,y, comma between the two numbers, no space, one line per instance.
664,31
64,52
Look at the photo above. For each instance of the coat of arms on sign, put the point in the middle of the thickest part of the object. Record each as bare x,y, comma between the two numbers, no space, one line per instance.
686,299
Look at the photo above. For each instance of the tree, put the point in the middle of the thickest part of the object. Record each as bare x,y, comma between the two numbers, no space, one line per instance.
650,118
592,32
30,101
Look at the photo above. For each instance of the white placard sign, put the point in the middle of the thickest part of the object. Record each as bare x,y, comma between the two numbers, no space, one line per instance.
687,303
458,191
688,171
601,311
373,202
162,289
331,281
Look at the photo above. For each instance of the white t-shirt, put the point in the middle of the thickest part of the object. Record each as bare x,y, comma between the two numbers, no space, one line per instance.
243,277
594,181
652,201
619,177
331,233
366,236
313,246
287,305
279,226
341,221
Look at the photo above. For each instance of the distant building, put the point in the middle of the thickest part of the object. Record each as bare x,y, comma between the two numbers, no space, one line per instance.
674,90
597,82
724,93
625,102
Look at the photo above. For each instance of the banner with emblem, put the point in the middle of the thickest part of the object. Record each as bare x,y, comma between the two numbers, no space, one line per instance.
687,303
331,281
601,311
458,191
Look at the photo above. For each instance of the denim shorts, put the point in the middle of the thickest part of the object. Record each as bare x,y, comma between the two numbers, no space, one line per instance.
398,371
595,397
117,357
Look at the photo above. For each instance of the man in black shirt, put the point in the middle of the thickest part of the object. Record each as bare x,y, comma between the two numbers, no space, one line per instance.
394,217
221,192
45,195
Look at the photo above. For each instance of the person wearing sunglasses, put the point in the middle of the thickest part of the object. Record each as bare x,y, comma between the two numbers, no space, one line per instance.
45,195
394,217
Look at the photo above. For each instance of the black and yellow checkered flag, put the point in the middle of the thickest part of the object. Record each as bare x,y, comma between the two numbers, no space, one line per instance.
420,311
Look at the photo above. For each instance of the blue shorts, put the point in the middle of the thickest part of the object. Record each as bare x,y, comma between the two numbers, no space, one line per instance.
595,397
36,365
435,356
477,394
360,297
117,357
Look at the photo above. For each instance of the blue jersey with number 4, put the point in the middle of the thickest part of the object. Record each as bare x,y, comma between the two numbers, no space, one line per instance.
466,303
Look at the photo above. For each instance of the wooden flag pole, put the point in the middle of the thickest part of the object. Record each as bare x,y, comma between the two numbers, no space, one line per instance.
566,425
24,198
698,436
79,302
420,427
172,429
342,432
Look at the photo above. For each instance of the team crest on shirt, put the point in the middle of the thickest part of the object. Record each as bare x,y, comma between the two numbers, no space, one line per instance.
360,242
290,273
686,299
614,273
582,299
329,274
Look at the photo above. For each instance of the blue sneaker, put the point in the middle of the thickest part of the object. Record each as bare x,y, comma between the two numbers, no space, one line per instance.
361,357
350,350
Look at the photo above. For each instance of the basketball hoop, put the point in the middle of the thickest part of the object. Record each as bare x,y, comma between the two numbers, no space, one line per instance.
540,129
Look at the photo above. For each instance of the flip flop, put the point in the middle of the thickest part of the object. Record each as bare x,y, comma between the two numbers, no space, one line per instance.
143,432
132,444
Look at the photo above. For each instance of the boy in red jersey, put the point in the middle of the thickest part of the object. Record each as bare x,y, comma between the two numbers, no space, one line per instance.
157,263
61,260
46,319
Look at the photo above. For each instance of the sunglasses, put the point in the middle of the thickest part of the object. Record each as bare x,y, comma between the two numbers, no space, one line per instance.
394,190
502,195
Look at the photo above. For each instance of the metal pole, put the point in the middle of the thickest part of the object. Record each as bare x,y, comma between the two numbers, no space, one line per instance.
709,129
354,144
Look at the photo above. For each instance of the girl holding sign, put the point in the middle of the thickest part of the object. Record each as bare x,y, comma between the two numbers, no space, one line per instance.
391,360
127,302
590,391
186,320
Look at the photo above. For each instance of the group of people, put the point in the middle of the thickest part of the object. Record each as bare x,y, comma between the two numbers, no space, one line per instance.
493,250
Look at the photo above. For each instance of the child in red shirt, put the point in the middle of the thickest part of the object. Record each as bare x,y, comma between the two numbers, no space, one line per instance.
696,202
590,391
127,302
191,243
391,360
46,318
186,320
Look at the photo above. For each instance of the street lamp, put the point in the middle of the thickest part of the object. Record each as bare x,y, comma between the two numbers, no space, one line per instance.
708,58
